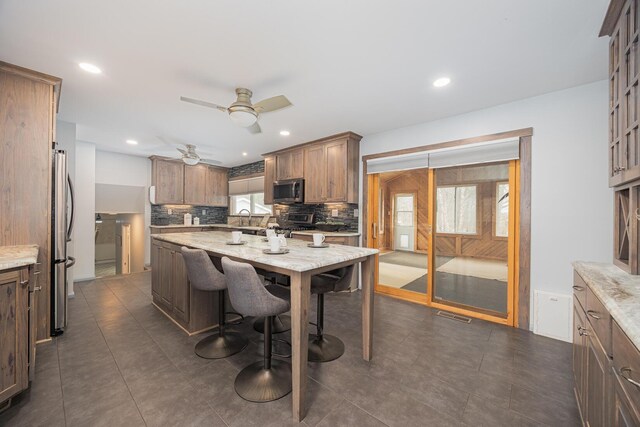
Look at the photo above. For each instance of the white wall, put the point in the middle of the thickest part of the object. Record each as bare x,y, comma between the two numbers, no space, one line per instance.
84,229
66,139
121,169
571,204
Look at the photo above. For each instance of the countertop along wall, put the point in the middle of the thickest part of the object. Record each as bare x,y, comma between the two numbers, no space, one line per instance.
571,204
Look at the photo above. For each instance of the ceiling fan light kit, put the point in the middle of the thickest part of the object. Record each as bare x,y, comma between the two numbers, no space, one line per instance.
242,112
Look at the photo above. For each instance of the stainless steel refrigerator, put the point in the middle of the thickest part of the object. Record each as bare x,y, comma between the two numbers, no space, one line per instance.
62,226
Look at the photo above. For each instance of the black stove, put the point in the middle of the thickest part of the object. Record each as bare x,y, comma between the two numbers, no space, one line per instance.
296,222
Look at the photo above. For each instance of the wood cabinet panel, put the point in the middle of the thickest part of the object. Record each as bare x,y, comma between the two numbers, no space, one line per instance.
315,174
195,185
579,289
269,177
624,414
155,272
217,187
626,363
598,393
166,277
180,287
600,320
289,165
336,174
27,121
579,354
14,334
168,178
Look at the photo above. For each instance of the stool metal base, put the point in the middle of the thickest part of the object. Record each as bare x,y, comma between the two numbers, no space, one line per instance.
218,347
281,323
257,384
325,349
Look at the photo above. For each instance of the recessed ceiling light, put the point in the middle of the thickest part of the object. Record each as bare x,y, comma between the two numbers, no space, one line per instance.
442,81
90,68
244,153
132,142
285,133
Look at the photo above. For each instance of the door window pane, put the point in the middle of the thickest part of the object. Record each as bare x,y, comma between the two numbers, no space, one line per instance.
404,219
456,209
502,209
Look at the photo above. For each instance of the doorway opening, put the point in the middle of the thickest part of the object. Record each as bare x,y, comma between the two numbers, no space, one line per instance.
454,235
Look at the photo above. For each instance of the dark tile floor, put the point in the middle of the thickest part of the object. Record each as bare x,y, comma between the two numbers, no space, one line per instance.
122,363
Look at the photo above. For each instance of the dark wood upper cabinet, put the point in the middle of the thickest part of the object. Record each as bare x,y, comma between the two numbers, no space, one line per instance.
289,165
621,24
180,184
269,177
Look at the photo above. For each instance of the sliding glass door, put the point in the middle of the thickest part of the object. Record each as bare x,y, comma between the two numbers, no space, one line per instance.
471,238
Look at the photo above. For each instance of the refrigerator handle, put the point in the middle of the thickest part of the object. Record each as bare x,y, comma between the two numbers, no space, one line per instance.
70,262
73,208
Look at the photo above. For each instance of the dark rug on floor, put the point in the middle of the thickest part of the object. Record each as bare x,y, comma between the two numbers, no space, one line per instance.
472,291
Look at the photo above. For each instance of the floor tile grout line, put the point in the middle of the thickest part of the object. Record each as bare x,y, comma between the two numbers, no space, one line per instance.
159,346
112,356
64,411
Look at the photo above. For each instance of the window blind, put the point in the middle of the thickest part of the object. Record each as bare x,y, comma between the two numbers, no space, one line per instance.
246,186
495,151
398,163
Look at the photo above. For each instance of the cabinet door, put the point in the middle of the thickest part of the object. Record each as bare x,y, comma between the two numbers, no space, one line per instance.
598,392
297,164
195,185
166,277
336,154
168,177
315,174
623,415
579,354
14,334
155,270
283,166
217,187
269,177
180,286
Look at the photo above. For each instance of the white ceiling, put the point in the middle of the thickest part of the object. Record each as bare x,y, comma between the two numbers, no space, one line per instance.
359,65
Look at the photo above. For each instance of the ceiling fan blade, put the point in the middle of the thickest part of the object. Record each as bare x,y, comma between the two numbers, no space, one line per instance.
272,104
254,128
203,103
184,152
211,162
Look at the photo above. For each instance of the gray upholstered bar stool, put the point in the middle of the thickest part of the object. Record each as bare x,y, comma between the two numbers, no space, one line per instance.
204,276
269,379
324,347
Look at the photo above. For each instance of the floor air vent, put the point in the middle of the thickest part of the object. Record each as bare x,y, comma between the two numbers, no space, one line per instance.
452,316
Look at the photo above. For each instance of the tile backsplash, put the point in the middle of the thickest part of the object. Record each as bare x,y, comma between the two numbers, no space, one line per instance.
214,215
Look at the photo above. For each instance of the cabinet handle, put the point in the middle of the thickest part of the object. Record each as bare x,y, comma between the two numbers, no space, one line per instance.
578,288
625,373
593,314
37,288
583,332
24,282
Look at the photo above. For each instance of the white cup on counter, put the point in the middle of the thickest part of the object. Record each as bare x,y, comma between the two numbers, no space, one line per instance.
274,244
270,233
236,236
318,239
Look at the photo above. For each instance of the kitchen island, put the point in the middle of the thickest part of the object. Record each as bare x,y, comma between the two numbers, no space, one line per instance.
299,264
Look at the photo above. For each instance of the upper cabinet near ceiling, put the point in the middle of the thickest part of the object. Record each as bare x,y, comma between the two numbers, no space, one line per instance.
621,24
289,164
269,177
177,183
329,167
331,170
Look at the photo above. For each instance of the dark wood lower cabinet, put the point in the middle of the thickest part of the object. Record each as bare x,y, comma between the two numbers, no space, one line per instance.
605,397
17,332
173,294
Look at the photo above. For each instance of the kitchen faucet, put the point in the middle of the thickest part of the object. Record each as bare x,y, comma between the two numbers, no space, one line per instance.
249,212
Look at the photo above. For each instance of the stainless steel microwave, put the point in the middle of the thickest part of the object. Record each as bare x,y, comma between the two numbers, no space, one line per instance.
288,191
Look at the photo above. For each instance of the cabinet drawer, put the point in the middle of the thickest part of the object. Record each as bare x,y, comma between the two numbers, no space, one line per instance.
626,363
600,320
579,289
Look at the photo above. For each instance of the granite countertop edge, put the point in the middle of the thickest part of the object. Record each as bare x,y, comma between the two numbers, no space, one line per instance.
618,291
17,256
327,233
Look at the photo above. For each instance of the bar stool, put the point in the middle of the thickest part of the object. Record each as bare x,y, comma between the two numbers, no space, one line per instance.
204,276
324,347
269,379
280,323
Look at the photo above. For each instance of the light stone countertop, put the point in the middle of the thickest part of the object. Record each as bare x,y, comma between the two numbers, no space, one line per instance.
17,256
300,258
236,227
618,291
327,233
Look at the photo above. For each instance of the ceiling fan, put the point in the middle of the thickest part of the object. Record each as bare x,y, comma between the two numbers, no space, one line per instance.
242,112
191,158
